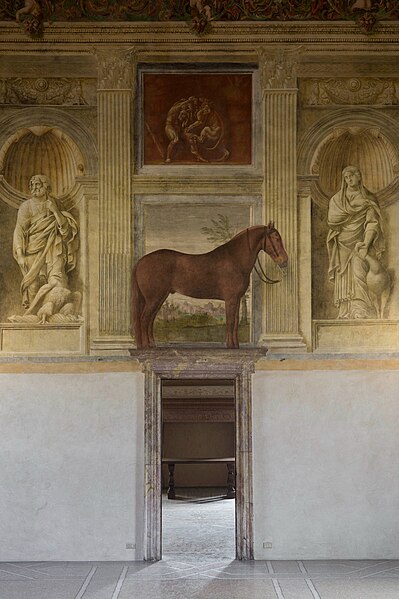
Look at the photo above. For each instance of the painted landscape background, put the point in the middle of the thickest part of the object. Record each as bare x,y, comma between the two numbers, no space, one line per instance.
195,229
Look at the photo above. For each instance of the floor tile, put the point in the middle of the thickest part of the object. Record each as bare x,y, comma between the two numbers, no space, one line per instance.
104,581
198,589
198,563
295,589
52,589
357,589
285,567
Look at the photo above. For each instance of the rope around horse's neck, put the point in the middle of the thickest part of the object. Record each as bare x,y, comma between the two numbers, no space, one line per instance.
259,268
262,275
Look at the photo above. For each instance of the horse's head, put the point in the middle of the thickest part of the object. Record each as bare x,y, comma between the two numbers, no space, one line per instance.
274,247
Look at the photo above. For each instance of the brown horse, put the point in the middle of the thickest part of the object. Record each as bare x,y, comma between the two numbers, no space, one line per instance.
221,274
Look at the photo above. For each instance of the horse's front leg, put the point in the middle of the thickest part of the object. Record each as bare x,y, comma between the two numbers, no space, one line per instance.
232,308
236,321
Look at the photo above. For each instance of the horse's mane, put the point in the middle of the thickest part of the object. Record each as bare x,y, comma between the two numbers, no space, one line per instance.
239,236
248,229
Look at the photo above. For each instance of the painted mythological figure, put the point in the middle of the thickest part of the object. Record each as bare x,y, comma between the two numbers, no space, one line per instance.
355,245
195,122
45,246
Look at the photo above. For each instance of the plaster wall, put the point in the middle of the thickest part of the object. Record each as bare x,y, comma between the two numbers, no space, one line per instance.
326,451
71,458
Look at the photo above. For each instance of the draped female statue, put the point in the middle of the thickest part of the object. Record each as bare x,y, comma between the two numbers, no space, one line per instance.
355,245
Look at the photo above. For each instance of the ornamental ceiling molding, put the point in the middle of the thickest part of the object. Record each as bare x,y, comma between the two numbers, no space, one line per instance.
325,37
199,14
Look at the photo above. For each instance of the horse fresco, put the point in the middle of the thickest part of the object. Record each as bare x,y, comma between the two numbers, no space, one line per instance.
223,274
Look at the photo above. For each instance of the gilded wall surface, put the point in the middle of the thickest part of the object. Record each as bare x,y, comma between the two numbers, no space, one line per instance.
118,139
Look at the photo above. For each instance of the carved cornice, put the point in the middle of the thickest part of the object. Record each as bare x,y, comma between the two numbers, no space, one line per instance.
198,410
350,91
177,393
325,36
198,414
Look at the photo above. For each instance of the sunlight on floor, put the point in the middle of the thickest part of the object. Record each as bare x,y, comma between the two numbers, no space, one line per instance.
201,527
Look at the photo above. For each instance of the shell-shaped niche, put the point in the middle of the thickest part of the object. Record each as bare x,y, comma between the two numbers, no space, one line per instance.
367,148
41,150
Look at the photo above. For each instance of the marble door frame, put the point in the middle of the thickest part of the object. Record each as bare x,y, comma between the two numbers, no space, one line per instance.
169,364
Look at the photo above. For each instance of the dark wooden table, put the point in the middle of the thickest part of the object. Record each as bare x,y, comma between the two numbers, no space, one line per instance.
230,462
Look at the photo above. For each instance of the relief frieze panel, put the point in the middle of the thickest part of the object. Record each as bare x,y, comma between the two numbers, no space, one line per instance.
50,91
352,91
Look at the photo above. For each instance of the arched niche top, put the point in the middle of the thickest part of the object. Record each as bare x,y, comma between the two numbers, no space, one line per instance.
367,139
35,118
44,150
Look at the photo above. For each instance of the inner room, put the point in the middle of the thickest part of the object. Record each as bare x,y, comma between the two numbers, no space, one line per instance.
198,468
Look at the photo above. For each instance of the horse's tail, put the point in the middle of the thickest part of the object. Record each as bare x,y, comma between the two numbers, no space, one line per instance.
137,309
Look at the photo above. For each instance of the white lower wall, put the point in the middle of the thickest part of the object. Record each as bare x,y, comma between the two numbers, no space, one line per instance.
326,455
71,463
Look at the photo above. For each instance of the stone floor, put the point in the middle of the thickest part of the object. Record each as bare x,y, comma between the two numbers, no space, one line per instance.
198,550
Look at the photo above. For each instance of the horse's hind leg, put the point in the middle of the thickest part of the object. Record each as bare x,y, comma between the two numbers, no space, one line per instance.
145,324
149,314
152,319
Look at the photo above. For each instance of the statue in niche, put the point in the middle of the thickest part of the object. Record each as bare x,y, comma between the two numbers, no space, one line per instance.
45,246
355,245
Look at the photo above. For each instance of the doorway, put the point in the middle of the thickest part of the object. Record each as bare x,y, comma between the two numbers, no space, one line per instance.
181,364
198,468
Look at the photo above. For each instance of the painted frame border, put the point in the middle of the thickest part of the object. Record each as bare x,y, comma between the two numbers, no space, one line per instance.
211,169
255,206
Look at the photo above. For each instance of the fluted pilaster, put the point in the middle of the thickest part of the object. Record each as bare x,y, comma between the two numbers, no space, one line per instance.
281,309
115,166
